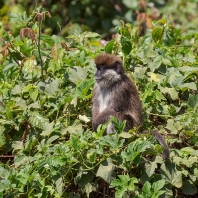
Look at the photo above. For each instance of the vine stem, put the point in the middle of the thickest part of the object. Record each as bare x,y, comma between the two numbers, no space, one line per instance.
38,46
168,116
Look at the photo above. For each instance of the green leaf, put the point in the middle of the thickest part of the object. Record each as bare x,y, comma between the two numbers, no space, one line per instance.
49,129
126,45
134,150
2,136
78,74
17,145
59,185
52,89
111,46
47,39
171,91
131,4
4,184
76,128
162,21
156,63
187,150
51,139
173,126
91,34
125,135
186,86
193,101
16,90
158,185
106,170
150,168
33,94
157,34
147,187
173,176
139,72
83,88
89,188
132,182
189,188
39,121
122,181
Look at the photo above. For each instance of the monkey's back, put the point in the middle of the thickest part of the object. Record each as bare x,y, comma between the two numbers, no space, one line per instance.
127,101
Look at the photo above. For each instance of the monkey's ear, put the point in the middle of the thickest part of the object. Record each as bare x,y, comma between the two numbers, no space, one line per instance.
118,67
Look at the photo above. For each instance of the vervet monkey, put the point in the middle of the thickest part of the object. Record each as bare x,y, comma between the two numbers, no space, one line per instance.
114,94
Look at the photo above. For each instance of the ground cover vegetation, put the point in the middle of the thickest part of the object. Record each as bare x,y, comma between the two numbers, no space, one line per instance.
47,146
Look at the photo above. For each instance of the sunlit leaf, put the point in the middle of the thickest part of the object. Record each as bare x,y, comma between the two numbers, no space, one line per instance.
110,46
157,34
37,120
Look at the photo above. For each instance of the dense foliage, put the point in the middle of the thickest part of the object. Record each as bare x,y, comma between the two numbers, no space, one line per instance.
47,145
77,16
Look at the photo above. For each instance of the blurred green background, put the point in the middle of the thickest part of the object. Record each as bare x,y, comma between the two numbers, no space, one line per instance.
75,16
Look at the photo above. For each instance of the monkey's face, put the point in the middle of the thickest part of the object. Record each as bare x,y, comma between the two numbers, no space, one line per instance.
107,76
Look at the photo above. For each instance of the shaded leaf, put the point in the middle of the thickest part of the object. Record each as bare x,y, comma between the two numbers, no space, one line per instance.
106,170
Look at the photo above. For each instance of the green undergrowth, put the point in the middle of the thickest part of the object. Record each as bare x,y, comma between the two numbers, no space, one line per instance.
47,146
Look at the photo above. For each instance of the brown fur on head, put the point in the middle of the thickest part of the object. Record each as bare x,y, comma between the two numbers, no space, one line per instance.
107,60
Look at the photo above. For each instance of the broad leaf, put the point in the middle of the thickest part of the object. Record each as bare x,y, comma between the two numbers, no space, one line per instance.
106,170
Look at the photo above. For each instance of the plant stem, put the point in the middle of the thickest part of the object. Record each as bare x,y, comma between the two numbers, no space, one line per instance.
38,45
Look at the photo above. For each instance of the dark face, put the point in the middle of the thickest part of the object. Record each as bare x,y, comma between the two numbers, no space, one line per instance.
106,76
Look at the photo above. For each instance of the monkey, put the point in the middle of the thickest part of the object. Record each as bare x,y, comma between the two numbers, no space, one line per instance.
114,94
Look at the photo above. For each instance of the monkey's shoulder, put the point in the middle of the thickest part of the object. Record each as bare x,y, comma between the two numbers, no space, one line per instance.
125,85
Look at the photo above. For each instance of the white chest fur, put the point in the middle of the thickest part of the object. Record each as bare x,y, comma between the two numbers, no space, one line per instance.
104,99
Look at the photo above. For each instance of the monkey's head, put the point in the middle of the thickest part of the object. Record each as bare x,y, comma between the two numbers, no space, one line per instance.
109,69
